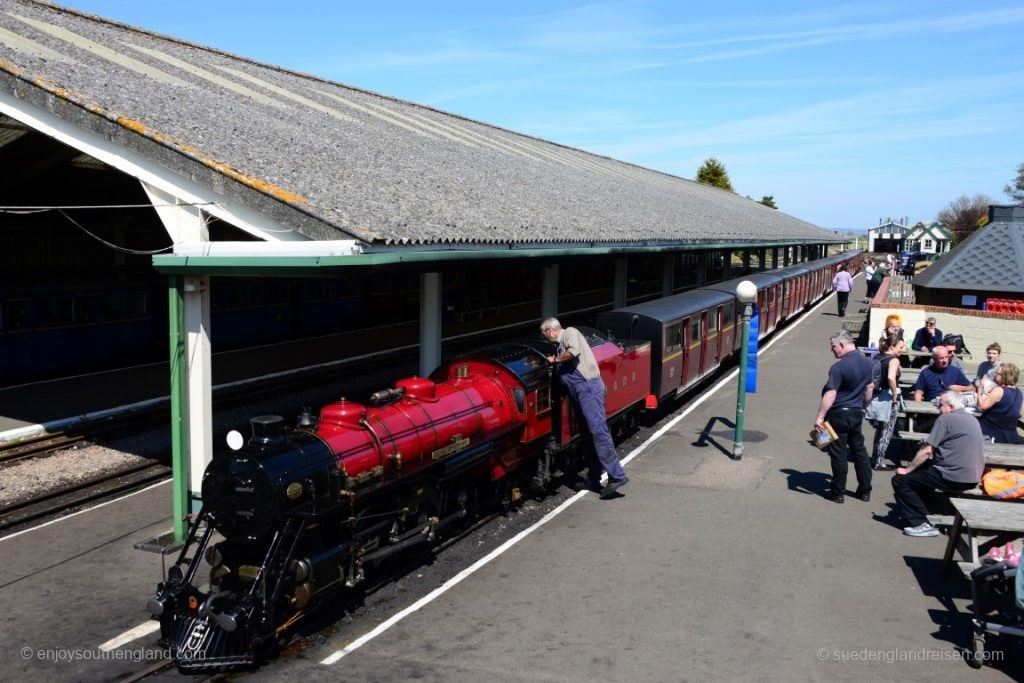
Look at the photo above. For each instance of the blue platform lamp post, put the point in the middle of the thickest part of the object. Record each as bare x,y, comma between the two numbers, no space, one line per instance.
746,293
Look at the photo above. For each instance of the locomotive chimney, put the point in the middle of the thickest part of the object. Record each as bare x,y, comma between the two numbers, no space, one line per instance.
267,429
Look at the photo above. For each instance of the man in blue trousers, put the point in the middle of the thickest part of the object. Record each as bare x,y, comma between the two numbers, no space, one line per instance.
581,377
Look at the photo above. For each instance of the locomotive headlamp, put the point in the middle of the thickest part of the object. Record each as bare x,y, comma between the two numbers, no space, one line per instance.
157,605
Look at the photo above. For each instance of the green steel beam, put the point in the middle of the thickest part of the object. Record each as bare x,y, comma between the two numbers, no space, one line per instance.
171,264
179,405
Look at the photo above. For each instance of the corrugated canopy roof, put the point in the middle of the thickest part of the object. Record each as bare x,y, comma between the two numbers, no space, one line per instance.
991,259
334,162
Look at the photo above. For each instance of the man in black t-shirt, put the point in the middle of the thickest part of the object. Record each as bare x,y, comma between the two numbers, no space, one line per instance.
843,398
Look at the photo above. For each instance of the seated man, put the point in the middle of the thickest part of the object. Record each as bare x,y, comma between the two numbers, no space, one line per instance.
954,360
952,457
939,377
926,338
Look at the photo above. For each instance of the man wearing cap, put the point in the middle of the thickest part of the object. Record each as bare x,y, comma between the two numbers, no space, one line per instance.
580,375
926,339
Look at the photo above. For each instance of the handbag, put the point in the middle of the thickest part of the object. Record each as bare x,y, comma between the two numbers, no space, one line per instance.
880,407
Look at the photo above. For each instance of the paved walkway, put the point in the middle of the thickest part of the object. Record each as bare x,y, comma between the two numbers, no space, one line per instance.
707,568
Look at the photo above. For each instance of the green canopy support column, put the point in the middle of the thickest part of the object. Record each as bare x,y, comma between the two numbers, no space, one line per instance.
549,292
619,285
179,404
430,322
668,274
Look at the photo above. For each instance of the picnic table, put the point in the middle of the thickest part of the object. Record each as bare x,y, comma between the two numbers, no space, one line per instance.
908,376
870,350
914,409
1007,455
1000,521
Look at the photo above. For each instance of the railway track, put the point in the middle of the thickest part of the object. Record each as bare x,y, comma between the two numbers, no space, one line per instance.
68,497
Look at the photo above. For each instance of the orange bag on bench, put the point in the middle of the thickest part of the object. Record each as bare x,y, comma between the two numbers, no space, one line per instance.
1003,484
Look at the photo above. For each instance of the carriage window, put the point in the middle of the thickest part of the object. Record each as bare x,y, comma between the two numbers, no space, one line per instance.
86,308
124,304
713,321
673,338
14,315
695,334
54,311
727,316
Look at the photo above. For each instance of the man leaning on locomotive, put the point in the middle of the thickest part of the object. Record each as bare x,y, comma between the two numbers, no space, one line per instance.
580,376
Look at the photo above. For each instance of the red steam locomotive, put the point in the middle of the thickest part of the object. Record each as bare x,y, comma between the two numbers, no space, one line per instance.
294,517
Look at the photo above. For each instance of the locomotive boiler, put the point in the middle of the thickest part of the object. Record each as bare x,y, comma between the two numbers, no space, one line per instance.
295,516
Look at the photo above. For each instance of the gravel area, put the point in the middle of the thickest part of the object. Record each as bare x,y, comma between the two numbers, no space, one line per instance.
28,478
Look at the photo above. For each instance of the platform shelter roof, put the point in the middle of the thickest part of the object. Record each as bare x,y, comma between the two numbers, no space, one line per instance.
332,162
991,259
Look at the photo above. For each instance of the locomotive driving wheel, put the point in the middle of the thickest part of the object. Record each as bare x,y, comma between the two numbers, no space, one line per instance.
460,499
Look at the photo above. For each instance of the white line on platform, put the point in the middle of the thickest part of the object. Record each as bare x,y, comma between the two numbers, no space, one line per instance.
468,571
128,636
95,507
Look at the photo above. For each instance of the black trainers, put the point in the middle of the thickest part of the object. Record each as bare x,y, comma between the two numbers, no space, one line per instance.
835,497
612,486
584,485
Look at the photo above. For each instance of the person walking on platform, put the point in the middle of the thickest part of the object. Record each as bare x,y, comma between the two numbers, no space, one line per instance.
580,375
869,272
951,458
843,399
842,283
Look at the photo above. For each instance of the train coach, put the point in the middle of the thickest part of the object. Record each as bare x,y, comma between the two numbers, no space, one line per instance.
694,332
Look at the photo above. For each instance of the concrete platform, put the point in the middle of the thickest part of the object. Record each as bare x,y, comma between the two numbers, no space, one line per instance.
706,568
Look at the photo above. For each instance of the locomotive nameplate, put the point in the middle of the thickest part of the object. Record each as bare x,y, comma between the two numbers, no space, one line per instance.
457,444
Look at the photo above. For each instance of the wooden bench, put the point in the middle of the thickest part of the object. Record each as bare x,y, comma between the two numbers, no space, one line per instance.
999,521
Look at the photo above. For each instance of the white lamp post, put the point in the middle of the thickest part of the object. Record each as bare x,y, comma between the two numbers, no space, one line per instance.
746,293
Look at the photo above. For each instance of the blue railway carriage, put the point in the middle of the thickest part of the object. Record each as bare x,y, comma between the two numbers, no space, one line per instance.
46,329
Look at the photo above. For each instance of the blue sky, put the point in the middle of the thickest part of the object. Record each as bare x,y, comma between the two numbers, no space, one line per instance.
844,112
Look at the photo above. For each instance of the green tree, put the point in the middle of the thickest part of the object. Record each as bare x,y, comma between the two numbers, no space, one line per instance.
769,200
712,172
1016,190
964,215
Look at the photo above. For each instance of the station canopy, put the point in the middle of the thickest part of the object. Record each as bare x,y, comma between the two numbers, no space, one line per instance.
290,157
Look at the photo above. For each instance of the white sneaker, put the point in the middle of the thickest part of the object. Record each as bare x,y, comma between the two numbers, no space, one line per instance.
922,529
